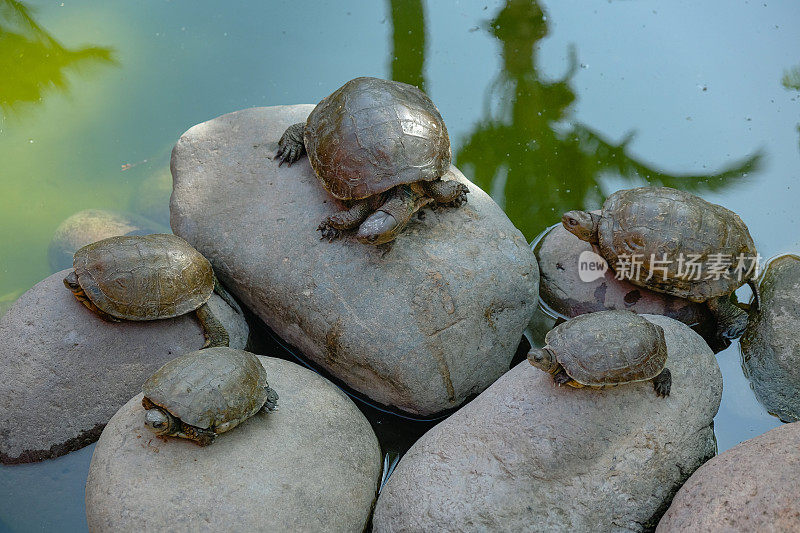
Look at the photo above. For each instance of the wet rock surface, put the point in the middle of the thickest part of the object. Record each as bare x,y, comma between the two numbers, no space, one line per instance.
421,327
751,487
91,225
565,293
312,465
66,371
527,455
771,345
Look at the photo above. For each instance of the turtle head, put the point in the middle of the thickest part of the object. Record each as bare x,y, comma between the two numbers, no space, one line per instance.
582,224
71,282
379,228
161,422
543,359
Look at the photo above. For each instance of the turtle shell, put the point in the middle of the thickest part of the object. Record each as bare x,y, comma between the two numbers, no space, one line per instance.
144,277
371,135
653,221
215,388
609,348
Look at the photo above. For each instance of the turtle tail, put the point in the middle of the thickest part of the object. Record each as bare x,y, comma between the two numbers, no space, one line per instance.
225,295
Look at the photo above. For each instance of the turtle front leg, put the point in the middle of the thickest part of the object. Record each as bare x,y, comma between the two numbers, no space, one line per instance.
389,220
449,192
560,376
291,146
347,219
214,331
662,383
731,320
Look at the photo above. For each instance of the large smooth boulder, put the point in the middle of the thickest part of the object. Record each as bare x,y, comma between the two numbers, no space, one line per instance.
771,344
421,327
312,465
66,371
527,455
91,225
563,290
751,487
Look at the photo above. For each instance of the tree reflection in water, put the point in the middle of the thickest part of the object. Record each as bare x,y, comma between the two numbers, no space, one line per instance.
527,152
32,61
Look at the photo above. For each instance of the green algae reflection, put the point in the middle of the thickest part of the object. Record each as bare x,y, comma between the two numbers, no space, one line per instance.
527,152
32,61
408,42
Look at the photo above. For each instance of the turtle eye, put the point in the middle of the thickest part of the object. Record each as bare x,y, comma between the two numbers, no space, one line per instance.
572,222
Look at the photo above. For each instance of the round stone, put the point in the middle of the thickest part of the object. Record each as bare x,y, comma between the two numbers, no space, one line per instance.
421,326
770,344
66,371
751,487
92,225
312,465
571,289
527,454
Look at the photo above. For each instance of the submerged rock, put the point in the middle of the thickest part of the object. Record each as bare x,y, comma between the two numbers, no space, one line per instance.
421,327
91,225
151,198
529,455
771,345
312,465
66,371
751,487
562,289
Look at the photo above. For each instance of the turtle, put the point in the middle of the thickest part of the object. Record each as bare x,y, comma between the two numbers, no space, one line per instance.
148,277
382,148
605,349
204,393
667,228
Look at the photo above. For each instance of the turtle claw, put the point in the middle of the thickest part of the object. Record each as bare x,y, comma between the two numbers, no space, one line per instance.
561,378
287,154
461,199
327,231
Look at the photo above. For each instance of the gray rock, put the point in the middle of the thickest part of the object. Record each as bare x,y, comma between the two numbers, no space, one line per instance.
91,225
564,292
770,344
312,465
751,487
431,322
527,455
66,371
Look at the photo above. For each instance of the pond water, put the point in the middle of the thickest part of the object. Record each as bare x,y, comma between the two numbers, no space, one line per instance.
550,105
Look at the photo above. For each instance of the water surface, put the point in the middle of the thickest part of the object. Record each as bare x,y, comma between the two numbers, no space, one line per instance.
550,105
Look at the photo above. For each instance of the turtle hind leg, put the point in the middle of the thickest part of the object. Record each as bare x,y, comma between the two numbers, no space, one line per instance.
560,376
291,146
731,320
389,220
200,436
449,192
225,295
271,404
331,227
662,383
214,331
